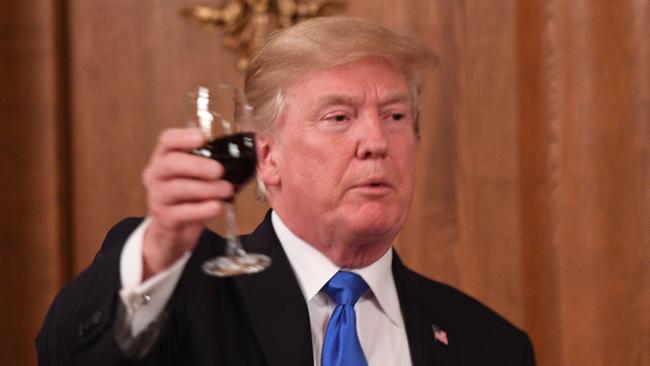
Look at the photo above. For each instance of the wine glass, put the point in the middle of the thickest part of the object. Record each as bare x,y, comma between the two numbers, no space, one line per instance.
219,113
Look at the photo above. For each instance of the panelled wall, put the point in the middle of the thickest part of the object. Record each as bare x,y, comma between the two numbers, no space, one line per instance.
34,246
532,192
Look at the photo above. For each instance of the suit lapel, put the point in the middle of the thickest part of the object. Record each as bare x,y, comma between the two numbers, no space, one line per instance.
275,303
420,315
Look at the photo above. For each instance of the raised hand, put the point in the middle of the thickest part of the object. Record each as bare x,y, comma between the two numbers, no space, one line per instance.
183,192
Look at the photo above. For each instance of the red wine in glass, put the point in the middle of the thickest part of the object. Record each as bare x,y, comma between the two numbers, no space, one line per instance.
237,155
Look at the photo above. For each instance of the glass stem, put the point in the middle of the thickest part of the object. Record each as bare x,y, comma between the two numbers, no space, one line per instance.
233,247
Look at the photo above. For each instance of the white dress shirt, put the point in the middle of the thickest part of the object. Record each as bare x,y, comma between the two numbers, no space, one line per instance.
380,325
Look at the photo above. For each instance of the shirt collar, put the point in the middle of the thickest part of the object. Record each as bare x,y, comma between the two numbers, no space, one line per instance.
313,269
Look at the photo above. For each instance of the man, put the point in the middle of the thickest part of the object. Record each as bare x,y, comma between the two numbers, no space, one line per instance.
335,103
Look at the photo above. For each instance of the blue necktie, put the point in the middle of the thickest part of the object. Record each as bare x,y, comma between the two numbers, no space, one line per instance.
341,345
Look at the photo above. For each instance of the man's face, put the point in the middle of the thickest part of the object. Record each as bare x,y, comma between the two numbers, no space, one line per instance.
342,166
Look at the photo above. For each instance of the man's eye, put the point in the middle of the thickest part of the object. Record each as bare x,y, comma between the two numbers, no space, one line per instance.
338,117
397,116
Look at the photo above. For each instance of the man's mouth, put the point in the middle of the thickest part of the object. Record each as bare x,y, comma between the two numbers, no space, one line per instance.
375,183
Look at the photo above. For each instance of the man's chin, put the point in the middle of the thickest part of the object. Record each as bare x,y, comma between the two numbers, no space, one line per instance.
377,226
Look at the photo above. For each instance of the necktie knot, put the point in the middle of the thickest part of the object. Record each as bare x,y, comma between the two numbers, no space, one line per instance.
345,288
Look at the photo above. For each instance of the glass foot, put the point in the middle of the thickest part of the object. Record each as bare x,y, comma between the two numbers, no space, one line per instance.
236,265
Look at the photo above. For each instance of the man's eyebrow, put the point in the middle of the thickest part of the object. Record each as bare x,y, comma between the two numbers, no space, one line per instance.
396,99
338,99
333,99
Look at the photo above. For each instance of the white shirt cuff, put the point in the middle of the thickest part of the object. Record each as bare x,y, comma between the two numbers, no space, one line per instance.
145,300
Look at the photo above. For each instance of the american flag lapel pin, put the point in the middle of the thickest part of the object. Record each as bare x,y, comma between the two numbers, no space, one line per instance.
439,335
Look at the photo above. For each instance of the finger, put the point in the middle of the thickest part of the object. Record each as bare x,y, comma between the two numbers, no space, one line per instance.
181,164
189,190
179,139
179,215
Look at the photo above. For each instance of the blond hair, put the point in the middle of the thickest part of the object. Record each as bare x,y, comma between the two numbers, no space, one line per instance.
320,43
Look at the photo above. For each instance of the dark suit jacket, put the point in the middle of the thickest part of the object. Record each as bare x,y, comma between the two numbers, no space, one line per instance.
260,319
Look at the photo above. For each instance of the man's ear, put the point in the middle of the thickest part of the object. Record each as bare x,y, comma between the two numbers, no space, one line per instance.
267,167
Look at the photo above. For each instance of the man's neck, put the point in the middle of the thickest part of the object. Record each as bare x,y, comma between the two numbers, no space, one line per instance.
344,252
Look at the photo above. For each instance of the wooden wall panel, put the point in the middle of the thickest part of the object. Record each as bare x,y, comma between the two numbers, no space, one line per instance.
603,230
584,157
540,152
33,265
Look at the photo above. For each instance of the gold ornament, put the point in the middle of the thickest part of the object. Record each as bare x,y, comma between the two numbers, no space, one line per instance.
245,24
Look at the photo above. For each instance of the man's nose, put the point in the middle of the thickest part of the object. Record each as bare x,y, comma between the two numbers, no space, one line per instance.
373,141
